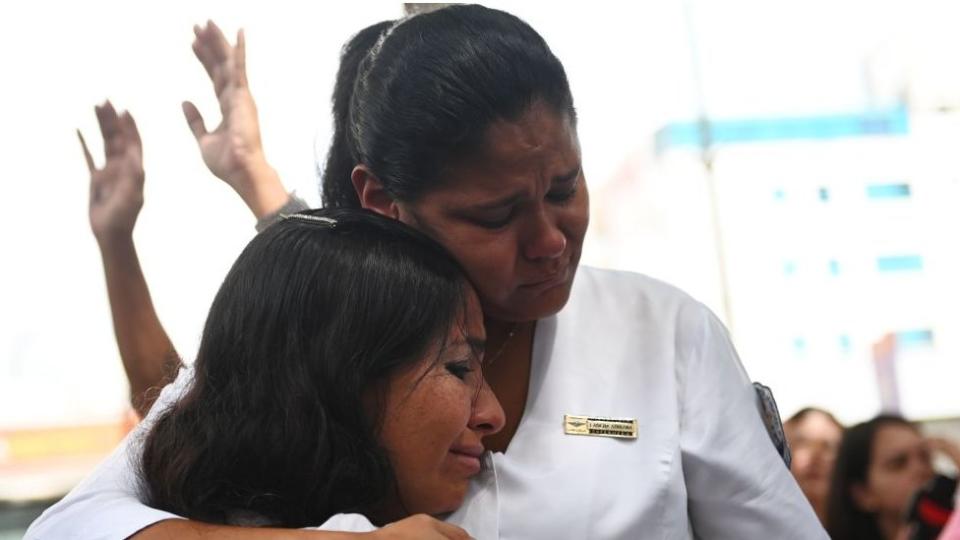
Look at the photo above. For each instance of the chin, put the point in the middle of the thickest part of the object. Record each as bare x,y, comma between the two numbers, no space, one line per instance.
551,303
546,303
526,307
449,502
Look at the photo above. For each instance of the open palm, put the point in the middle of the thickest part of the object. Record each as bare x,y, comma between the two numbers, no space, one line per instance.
234,147
116,190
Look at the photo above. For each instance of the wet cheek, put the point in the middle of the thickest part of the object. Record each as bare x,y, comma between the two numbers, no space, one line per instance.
490,270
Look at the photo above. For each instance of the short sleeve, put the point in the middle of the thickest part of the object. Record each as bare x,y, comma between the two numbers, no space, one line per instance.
106,504
347,523
736,482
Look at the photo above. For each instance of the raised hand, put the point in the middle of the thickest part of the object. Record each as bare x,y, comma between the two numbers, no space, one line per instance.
948,448
233,151
116,190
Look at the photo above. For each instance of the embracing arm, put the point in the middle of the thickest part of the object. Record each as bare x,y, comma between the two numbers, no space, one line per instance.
106,505
418,527
737,484
116,196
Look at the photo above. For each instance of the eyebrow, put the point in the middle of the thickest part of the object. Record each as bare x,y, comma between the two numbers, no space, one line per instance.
477,345
513,198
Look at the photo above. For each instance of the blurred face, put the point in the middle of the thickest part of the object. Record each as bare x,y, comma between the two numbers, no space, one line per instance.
899,466
514,215
814,441
436,413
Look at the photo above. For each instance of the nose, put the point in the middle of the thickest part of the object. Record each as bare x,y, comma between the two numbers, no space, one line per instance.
487,416
545,239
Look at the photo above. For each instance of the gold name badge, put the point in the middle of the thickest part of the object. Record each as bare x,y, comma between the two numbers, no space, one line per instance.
599,426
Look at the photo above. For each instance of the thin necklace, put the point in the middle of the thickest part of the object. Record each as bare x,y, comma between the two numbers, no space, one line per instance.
512,332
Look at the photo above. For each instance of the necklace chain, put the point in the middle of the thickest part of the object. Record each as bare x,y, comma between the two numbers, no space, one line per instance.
503,346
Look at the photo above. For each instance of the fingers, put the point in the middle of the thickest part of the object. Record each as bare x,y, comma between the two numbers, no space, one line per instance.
217,42
194,120
218,58
130,131
200,50
86,153
240,61
132,142
110,129
451,532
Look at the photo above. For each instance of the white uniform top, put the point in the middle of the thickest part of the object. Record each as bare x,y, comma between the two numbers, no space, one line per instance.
624,346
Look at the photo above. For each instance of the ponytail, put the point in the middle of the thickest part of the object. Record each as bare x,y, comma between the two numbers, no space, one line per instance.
336,188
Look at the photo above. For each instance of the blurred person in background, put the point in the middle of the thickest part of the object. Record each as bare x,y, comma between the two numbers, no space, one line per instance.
881,466
814,436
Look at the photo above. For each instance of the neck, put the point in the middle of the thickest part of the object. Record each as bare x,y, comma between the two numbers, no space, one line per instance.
497,331
819,504
507,370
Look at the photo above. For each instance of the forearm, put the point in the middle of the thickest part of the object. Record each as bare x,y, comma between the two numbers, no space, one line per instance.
182,529
261,188
148,355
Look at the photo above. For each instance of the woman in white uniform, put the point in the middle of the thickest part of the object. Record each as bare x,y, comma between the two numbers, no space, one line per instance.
628,414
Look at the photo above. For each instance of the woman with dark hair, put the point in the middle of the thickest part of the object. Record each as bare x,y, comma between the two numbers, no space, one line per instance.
375,338
814,436
628,414
881,465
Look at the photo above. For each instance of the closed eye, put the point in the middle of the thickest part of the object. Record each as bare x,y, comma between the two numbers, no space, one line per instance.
460,368
494,222
565,186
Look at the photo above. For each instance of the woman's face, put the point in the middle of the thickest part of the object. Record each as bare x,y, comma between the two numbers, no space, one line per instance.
514,215
436,413
814,441
899,466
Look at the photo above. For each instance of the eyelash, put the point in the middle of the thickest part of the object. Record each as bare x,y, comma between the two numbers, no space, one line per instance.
495,224
567,194
560,198
460,369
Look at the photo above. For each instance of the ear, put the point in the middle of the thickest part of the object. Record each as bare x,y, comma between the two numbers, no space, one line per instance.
863,497
372,194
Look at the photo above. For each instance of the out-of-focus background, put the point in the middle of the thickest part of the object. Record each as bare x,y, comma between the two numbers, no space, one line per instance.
792,165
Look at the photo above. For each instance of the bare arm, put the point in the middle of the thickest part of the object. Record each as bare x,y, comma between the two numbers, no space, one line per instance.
418,527
233,151
185,530
116,196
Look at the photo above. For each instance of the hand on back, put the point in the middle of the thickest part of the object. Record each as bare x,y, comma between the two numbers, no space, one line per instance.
420,527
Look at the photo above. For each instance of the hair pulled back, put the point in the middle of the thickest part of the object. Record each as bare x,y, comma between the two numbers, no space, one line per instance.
426,91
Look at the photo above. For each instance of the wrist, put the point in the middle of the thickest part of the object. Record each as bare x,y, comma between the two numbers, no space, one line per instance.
114,240
263,191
